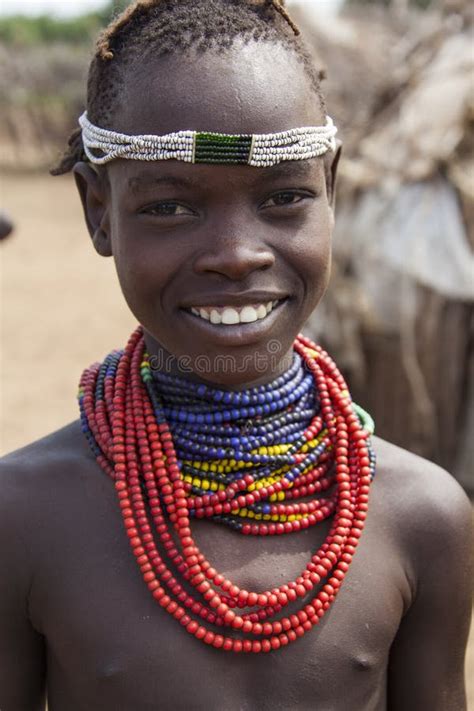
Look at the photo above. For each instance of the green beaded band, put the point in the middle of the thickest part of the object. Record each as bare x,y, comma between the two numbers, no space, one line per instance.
365,419
257,150
216,147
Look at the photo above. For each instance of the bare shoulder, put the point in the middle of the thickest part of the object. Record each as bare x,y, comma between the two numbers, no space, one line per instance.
37,484
47,455
429,519
411,481
41,472
423,503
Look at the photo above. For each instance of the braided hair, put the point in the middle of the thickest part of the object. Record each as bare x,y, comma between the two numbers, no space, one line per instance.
165,27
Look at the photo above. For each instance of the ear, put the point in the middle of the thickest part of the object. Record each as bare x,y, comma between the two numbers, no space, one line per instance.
330,165
95,203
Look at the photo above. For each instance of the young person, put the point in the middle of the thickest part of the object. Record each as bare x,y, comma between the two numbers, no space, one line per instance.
128,581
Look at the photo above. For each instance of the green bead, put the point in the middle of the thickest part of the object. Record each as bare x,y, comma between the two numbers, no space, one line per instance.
216,148
227,161
365,419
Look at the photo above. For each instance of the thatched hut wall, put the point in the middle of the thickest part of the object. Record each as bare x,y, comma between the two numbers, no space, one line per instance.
398,315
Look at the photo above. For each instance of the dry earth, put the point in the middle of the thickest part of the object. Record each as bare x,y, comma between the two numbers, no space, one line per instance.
61,310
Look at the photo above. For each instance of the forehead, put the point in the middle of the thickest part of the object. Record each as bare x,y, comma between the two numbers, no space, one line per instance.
137,178
252,88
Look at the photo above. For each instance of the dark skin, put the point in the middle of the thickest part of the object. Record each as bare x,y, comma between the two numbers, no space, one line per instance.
74,611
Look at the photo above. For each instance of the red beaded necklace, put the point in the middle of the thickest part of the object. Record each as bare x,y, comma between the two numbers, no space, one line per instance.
136,450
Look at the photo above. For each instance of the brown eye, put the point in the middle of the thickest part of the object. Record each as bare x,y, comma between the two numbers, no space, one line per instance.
285,199
167,209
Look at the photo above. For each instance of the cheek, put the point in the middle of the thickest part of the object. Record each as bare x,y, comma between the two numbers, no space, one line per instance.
311,259
143,270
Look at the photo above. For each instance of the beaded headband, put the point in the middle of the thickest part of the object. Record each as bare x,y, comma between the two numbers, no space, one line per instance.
258,150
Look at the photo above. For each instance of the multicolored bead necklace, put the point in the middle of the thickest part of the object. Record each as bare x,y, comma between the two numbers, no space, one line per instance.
269,460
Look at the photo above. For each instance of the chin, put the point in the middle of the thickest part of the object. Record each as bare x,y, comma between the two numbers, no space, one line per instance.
231,356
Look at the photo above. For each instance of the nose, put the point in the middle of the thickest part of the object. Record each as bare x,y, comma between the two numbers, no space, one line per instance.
235,255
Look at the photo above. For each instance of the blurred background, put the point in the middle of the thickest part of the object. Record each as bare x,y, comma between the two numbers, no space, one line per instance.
398,315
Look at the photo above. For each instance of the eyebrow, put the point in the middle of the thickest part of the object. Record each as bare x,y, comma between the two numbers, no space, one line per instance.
290,169
141,181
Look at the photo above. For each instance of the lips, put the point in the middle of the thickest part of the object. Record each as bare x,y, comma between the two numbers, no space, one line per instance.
233,315
239,333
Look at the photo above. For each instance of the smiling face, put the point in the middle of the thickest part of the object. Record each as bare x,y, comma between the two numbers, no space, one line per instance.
222,265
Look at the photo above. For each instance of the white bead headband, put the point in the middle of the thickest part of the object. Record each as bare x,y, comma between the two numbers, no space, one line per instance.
258,150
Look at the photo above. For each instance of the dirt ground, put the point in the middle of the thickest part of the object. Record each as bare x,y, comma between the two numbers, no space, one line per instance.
61,310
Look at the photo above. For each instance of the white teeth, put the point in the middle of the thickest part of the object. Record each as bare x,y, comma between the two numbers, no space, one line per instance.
215,316
230,317
248,314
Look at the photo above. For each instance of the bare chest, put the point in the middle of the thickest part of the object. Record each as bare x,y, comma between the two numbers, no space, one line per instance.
110,646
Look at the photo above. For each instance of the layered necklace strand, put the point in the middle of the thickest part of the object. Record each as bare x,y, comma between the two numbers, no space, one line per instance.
270,460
